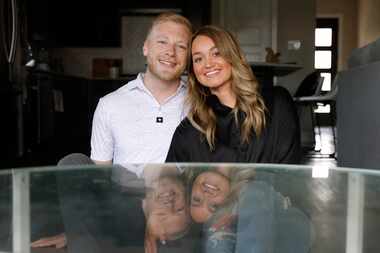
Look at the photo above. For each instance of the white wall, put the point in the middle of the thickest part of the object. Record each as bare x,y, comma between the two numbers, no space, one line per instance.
296,21
369,21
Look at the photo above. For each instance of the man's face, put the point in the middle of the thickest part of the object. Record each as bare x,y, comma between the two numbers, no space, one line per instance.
166,50
167,213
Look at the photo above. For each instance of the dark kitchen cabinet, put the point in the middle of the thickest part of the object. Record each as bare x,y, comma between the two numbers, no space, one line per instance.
59,114
197,11
86,23
73,23
58,118
151,4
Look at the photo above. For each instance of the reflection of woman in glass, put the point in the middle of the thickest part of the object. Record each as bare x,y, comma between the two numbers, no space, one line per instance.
214,201
229,120
214,189
210,190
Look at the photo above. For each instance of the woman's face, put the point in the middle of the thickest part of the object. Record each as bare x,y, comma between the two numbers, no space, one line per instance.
210,189
210,68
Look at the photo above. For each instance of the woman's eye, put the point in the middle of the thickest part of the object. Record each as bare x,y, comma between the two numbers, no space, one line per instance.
216,53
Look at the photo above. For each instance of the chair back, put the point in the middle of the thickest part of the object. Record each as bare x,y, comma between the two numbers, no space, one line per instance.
311,85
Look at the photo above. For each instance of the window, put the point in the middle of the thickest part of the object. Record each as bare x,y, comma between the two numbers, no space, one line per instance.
326,51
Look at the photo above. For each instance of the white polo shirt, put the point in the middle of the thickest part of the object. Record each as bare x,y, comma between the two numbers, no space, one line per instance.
130,126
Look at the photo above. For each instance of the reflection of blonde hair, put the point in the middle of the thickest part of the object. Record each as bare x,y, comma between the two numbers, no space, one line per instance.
171,17
153,173
238,179
244,85
233,173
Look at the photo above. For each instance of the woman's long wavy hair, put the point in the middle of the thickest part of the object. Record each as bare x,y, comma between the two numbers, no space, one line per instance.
244,85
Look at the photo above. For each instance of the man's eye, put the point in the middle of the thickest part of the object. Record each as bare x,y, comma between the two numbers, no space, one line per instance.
195,200
197,59
163,42
182,47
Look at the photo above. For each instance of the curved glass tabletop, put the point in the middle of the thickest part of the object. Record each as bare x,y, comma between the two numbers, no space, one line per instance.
191,208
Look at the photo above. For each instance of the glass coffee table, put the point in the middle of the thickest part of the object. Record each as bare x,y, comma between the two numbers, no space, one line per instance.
191,208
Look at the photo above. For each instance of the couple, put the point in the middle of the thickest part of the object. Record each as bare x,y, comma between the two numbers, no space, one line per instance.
228,120
220,113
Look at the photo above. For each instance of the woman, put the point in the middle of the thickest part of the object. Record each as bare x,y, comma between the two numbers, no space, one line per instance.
229,120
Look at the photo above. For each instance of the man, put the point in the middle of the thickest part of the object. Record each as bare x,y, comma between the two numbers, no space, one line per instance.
135,123
101,216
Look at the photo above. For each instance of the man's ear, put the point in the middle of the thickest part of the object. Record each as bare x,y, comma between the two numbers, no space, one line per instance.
145,48
144,207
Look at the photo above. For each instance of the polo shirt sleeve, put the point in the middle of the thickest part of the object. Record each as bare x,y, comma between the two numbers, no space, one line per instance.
102,142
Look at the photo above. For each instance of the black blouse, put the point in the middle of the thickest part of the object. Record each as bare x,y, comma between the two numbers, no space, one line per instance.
278,143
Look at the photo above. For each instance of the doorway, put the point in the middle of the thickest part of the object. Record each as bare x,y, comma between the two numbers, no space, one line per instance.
326,54
326,62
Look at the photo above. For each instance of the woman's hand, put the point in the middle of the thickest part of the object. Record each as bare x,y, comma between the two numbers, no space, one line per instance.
57,241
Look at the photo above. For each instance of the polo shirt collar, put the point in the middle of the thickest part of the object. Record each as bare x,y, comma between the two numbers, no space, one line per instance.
139,83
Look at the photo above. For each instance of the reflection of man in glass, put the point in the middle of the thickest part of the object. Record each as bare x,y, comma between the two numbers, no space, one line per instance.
103,216
166,211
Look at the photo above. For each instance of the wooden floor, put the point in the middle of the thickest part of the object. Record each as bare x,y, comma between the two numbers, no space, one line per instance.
324,152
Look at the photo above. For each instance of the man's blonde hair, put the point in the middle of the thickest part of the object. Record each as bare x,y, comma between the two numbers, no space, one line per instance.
171,17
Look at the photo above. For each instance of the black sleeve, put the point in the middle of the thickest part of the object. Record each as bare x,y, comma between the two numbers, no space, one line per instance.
178,150
286,128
